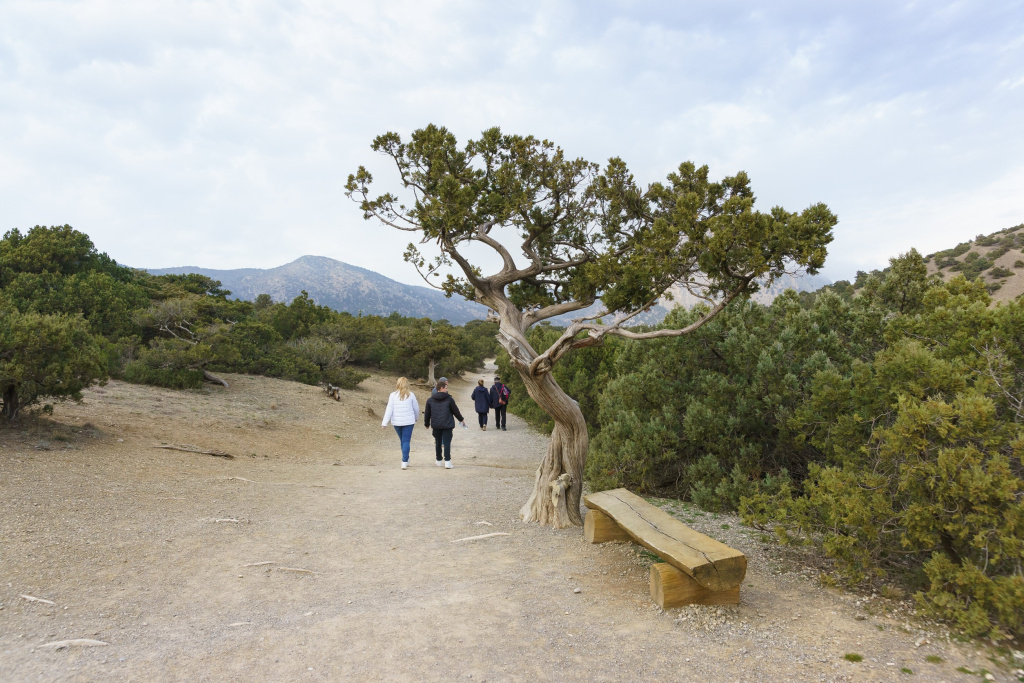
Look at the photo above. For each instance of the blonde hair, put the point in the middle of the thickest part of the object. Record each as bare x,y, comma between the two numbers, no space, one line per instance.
403,388
480,382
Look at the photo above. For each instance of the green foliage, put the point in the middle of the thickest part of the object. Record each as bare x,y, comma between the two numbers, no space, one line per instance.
61,250
592,232
166,330
885,428
45,357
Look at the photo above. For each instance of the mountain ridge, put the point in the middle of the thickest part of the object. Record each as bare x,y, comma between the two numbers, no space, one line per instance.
338,285
354,289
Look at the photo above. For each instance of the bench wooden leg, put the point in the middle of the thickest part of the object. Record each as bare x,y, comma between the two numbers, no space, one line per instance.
672,588
600,528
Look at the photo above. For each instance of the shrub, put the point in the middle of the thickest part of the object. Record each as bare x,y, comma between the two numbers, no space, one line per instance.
999,272
139,372
45,357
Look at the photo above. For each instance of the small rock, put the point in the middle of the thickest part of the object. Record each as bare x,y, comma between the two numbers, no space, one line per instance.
576,590
860,617
989,677
920,641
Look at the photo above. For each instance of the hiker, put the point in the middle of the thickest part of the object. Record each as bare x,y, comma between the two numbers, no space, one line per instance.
482,403
499,396
442,412
403,410
433,389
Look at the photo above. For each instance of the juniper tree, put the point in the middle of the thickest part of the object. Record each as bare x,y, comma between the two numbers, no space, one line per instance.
585,234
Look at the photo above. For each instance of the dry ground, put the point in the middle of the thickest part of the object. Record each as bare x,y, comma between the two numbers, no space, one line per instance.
184,564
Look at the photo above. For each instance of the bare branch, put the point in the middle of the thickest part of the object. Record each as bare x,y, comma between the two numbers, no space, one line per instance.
596,333
532,317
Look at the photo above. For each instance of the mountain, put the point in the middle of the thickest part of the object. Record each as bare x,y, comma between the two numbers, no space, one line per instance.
765,295
340,286
345,287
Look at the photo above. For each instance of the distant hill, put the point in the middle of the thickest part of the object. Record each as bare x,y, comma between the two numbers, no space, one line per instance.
765,295
349,288
998,259
340,286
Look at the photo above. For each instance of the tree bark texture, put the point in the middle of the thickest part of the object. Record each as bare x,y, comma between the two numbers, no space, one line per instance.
555,499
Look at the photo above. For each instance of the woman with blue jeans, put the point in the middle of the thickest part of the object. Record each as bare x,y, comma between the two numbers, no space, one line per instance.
403,410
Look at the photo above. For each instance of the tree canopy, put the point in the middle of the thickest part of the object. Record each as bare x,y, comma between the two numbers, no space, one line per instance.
581,233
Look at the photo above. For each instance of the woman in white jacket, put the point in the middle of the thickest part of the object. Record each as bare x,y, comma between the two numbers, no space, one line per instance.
403,411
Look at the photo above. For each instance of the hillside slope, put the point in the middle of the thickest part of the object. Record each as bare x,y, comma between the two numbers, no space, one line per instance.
997,258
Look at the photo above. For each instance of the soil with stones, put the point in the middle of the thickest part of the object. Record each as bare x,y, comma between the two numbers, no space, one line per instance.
312,556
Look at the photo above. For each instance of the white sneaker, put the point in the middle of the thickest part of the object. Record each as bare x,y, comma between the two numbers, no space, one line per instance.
439,462
405,465
448,465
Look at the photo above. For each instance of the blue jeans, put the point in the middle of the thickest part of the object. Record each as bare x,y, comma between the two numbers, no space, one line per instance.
405,436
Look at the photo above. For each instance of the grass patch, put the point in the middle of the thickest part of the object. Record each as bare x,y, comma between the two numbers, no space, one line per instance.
965,670
905,670
853,657
648,555
933,659
725,526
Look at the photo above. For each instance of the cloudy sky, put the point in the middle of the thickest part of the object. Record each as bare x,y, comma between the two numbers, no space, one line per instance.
220,134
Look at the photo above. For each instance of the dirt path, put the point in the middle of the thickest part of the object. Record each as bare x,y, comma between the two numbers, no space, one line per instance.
188,565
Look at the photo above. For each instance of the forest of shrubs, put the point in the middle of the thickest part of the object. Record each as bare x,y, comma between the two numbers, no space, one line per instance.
886,428
882,422
70,315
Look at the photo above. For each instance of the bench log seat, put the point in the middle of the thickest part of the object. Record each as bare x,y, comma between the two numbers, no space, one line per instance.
696,569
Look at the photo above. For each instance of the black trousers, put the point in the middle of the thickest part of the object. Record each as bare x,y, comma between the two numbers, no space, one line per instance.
443,438
482,419
499,417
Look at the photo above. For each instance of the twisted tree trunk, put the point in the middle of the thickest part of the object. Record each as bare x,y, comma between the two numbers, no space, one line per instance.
556,497
558,484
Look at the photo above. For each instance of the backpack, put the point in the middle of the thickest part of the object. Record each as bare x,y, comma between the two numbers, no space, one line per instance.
503,394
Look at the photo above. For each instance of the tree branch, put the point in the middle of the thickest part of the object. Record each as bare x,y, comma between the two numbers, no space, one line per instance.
596,333
531,318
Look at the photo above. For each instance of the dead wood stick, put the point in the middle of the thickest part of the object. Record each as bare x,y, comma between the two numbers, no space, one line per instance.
84,642
295,569
241,623
32,598
487,523
258,564
226,519
195,449
243,479
210,377
476,538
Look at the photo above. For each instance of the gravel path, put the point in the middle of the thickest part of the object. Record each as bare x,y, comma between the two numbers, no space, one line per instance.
312,556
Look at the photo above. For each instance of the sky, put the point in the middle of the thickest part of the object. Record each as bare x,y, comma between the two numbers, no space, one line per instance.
221,134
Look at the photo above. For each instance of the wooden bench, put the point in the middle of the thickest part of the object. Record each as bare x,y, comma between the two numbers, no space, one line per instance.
696,569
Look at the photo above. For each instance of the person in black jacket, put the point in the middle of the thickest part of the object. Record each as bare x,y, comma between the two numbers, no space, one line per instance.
499,396
442,412
482,403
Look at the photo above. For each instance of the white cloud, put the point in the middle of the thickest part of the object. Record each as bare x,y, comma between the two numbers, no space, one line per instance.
220,134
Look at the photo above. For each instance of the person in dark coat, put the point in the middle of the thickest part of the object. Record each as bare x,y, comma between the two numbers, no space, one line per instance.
482,403
499,396
442,412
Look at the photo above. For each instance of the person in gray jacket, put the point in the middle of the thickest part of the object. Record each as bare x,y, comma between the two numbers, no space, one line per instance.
442,412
